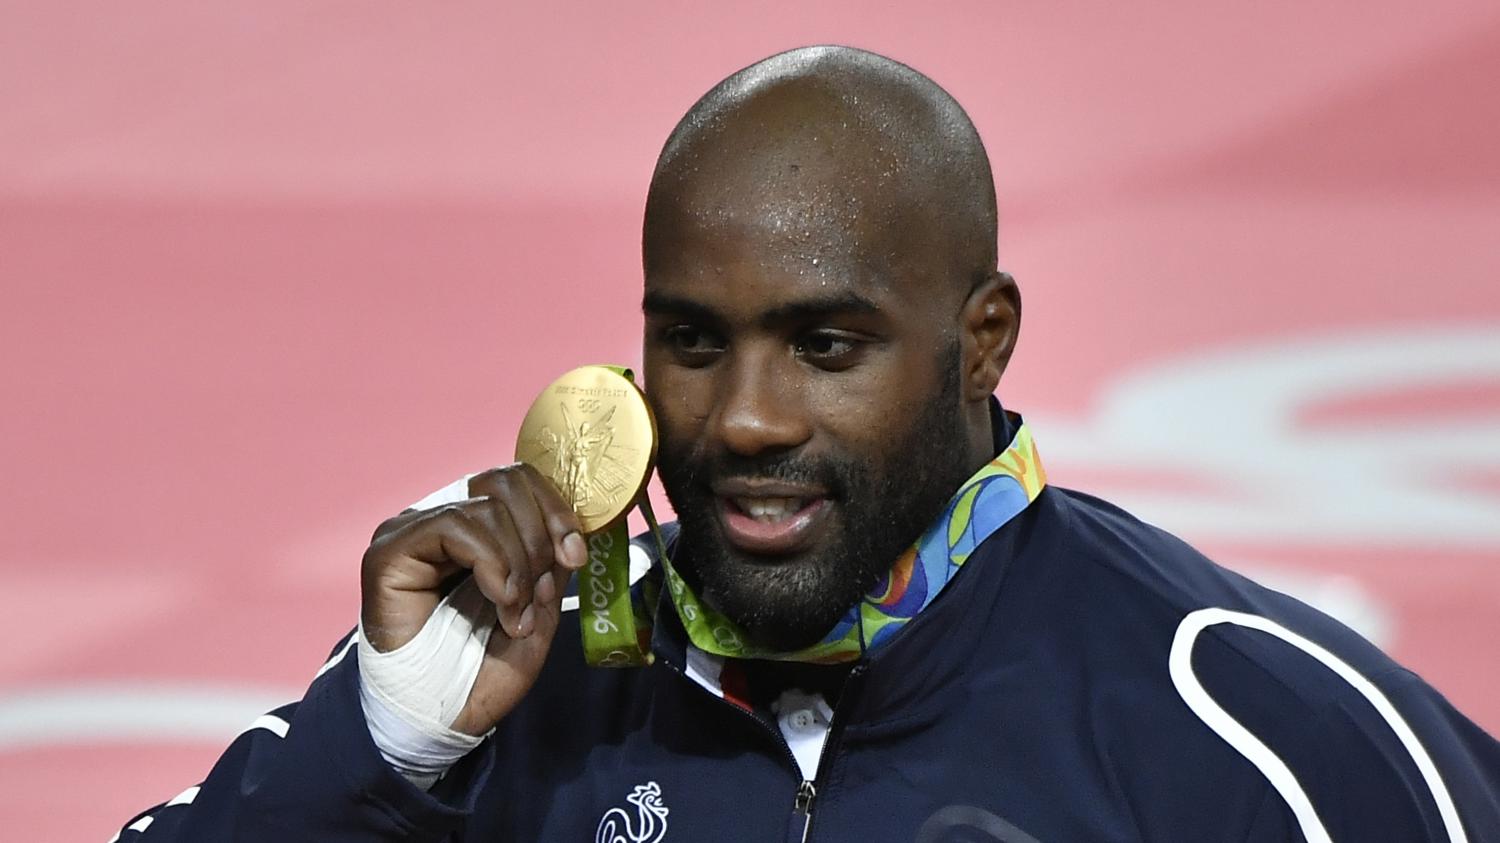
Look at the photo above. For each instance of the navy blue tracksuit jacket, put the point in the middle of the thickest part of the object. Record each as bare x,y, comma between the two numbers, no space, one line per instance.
1086,677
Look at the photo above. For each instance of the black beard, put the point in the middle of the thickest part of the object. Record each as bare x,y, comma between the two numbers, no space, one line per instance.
881,510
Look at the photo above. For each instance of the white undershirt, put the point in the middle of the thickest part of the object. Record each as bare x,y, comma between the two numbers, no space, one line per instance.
804,719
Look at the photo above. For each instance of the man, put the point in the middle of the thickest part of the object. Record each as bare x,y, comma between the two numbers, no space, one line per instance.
946,648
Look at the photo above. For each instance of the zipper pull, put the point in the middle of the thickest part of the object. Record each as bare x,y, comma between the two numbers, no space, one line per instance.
801,822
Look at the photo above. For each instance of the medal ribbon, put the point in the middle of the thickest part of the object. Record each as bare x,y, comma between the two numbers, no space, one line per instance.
617,630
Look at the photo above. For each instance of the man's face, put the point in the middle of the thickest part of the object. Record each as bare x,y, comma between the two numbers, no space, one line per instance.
809,412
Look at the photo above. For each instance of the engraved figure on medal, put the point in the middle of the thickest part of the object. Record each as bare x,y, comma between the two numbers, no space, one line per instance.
590,469
591,433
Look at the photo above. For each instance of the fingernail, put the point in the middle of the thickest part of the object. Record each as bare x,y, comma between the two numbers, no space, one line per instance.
527,622
510,591
545,588
575,553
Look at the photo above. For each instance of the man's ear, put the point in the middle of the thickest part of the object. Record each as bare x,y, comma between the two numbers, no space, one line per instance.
990,321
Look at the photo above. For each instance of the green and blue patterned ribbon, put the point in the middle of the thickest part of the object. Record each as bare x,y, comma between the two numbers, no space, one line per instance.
617,630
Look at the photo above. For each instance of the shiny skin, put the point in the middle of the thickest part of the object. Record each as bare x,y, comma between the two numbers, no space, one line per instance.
826,219
762,362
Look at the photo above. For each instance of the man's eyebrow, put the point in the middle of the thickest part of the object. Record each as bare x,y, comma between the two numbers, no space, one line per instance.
664,304
819,307
798,310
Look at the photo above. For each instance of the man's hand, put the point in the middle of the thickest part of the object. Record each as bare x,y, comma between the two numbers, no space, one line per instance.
518,540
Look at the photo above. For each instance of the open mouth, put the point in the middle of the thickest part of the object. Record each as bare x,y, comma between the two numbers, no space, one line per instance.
771,524
769,510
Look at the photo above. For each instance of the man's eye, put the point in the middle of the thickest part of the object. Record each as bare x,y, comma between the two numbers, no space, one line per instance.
828,349
691,341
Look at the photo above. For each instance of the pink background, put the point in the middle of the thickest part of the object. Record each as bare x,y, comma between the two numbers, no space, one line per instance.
274,270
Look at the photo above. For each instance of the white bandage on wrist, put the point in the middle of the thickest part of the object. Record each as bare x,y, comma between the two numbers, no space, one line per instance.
413,694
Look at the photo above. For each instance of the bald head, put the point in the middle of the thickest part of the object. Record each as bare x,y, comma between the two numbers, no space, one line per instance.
824,325
829,154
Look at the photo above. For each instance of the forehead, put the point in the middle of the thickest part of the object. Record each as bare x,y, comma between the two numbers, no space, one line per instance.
807,190
786,228
747,265
780,170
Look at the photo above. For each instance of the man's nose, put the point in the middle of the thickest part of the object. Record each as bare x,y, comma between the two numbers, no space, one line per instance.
760,410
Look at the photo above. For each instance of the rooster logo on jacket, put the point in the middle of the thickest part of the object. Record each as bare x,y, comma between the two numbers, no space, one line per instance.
649,824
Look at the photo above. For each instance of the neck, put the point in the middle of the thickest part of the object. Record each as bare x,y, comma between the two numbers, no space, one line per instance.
988,434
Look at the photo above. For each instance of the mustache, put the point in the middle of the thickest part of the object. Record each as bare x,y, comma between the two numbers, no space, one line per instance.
699,469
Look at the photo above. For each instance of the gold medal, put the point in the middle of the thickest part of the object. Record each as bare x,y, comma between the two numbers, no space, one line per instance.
592,432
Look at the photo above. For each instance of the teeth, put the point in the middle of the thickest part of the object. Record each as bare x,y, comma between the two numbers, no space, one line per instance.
769,509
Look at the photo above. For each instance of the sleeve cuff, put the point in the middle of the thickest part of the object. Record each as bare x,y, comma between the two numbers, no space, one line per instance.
332,711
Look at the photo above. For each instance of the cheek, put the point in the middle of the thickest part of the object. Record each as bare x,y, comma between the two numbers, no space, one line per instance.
876,405
858,410
680,400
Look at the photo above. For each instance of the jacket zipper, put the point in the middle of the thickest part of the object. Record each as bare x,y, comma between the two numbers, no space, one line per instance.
799,825
801,822
807,791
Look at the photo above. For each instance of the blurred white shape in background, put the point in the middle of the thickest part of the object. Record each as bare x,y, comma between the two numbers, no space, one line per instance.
1231,417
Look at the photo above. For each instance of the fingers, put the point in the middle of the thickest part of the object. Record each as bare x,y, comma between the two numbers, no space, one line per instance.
547,530
545,517
544,618
514,515
562,523
495,574
419,553
405,568
515,534
396,522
